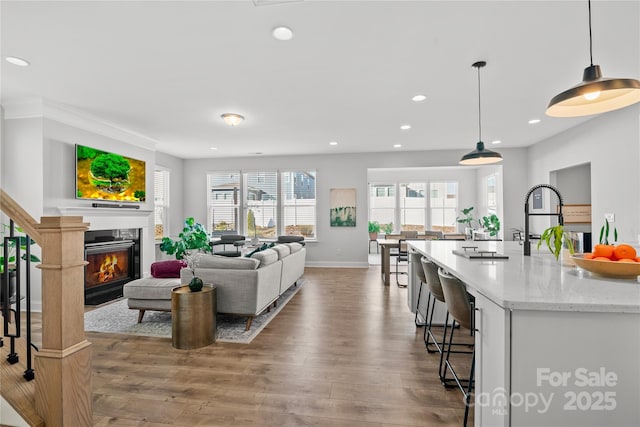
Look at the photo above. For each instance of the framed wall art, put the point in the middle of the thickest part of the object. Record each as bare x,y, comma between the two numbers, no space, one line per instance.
342,204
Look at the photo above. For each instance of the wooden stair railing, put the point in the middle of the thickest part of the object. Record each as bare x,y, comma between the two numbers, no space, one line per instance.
63,391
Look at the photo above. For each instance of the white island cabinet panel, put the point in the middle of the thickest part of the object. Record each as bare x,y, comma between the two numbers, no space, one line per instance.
579,369
555,346
492,369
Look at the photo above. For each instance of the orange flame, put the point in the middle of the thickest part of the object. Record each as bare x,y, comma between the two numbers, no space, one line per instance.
108,268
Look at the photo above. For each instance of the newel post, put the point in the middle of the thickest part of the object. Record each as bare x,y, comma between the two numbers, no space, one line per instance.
63,364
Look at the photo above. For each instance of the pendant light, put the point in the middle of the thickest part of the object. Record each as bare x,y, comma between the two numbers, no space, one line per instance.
481,155
595,94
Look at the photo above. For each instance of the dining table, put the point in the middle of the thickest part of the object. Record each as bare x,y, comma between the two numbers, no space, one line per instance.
385,255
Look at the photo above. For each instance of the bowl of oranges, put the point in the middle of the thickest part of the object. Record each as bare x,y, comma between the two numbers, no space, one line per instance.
616,261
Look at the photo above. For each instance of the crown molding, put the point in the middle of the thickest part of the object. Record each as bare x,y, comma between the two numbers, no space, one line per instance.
34,108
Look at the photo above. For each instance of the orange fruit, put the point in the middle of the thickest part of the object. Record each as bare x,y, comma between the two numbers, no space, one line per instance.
605,251
601,258
587,255
626,260
624,252
638,259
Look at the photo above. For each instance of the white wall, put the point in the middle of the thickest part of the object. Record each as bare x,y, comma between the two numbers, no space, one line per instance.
343,246
22,179
611,144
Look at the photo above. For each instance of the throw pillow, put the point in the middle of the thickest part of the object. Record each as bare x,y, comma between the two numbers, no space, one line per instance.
167,269
258,249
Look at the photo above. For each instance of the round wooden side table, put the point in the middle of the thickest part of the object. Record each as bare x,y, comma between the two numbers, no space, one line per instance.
193,316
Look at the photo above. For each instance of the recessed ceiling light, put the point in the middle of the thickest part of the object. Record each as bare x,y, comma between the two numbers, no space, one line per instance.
497,141
213,148
419,98
17,61
282,33
397,145
232,119
405,127
533,121
333,143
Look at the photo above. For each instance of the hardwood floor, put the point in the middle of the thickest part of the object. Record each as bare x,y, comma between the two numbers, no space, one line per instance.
343,352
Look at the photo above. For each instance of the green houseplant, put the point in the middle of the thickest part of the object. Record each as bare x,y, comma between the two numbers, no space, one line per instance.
374,229
491,224
554,237
193,237
604,233
387,228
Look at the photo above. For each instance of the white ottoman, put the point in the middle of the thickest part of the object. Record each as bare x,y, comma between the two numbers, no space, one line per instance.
149,293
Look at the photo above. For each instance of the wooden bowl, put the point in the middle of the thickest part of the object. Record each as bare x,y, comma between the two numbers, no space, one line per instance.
613,269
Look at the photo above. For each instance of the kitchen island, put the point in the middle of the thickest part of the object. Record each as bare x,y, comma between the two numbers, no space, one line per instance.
555,346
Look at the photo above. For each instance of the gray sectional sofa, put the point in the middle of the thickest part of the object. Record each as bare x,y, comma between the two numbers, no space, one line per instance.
244,286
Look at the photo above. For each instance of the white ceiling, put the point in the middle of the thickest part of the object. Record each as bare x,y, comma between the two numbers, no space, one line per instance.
168,70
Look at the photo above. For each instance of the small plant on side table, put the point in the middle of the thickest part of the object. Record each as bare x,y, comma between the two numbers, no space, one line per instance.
192,258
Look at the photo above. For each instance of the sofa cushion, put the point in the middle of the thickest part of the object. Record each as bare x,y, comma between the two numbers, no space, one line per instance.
150,288
294,247
282,250
266,257
289,239
169,268
238,263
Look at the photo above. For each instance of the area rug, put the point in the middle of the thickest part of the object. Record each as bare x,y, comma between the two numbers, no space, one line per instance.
117,318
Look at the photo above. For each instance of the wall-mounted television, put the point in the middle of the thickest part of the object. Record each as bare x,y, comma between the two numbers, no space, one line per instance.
101,175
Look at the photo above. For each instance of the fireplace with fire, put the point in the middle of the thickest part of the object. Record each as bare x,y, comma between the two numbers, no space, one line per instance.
113,259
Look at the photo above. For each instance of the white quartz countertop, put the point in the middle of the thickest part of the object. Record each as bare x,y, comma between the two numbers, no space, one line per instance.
536,282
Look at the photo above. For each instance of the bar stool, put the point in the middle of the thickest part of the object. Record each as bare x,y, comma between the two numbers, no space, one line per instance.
459,306
433,282
416,259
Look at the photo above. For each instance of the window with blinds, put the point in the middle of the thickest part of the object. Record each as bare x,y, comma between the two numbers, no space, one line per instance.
261,203
161,203
382,204
224,202
444,206
413,206
299,203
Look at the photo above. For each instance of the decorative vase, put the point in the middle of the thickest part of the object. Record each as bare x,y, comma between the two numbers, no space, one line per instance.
195,285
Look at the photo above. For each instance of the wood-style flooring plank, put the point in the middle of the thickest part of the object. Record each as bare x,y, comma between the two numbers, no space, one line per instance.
343,352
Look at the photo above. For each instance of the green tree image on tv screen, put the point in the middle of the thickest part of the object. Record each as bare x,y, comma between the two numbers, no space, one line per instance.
108,176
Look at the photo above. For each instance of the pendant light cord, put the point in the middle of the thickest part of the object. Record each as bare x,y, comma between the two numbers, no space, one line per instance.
479,110
590,37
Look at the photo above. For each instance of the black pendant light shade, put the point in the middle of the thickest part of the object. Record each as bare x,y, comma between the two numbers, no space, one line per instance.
481,155
595,94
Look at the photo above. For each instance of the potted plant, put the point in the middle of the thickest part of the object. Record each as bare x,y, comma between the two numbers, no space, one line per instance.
604,233
387,228
193,237
374,229
466,218
192,258
556,238
491,224
11,260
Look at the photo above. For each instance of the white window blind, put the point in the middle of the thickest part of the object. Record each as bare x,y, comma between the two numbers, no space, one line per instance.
413,206
382,203
444,205
224,202
161,203
299,203
261,202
